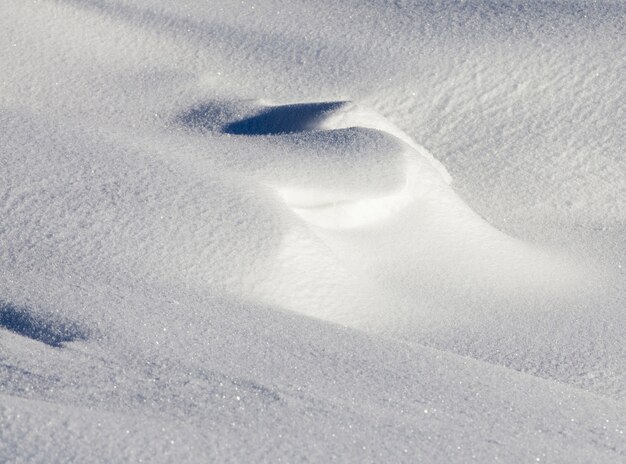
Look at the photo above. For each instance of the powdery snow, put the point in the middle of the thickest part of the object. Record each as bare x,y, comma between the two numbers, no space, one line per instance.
358,231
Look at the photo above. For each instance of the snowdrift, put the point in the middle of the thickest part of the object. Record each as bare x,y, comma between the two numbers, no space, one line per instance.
222,240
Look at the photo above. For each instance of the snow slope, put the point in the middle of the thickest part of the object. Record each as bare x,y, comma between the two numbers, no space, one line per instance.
222,238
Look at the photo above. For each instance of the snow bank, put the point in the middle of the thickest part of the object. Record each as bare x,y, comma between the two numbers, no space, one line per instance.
222,240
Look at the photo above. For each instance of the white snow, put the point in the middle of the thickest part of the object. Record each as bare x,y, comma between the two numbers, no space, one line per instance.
357,231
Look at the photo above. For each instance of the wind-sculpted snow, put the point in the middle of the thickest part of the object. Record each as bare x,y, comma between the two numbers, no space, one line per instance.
222,238
211,391
331,157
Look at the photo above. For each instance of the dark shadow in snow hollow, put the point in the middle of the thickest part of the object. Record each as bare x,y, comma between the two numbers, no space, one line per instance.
271,120
48,328
283,119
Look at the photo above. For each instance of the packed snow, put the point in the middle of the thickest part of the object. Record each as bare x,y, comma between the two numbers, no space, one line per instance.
310,230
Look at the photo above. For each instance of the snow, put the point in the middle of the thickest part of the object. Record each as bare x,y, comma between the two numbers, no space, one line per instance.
358,231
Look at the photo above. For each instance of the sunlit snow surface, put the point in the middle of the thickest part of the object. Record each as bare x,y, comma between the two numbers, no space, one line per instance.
360,231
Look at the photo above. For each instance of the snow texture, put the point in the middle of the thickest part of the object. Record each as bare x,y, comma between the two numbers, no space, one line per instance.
222,238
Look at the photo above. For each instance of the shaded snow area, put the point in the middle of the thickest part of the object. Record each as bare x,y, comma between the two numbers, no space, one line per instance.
312,231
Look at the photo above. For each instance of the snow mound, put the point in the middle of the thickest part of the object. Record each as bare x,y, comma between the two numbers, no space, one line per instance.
339,165
382,217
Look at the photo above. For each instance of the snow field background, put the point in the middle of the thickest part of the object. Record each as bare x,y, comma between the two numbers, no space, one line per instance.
223,239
